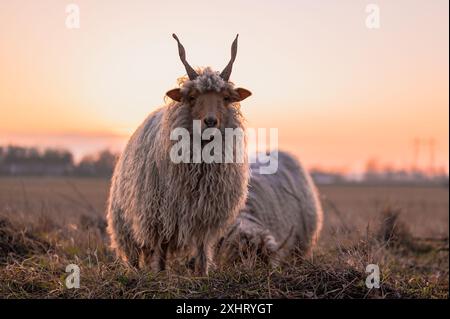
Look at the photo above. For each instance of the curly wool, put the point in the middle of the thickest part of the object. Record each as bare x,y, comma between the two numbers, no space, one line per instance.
282,212
207,80
154,201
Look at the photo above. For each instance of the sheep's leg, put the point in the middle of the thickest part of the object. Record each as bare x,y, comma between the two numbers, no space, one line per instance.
121,238
202,260
146,257
133,257
154,259
162,257
127,250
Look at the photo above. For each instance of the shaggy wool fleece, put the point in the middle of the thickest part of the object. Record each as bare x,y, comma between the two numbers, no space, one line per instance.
282,212
154,202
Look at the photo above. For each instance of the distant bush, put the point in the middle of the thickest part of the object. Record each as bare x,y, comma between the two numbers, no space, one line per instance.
101,164
26,161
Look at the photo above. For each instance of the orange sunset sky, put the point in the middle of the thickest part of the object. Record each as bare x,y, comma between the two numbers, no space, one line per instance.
338,92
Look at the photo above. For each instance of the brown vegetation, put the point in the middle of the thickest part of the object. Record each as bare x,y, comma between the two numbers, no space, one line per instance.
47,224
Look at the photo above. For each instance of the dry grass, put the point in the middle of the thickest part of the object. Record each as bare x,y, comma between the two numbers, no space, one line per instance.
46,224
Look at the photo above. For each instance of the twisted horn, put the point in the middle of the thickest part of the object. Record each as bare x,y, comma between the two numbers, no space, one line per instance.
227,71
190,71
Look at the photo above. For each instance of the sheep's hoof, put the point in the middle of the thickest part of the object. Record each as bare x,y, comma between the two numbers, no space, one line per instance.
202,275
202,272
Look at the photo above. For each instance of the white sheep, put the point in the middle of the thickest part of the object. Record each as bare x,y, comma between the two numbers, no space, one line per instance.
282,212
157,206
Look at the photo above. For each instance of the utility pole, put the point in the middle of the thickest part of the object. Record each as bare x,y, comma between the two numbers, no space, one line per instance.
432,145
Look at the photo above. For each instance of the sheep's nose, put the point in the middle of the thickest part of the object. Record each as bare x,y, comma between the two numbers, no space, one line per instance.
210,121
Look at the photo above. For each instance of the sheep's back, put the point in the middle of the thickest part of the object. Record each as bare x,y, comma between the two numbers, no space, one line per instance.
285,203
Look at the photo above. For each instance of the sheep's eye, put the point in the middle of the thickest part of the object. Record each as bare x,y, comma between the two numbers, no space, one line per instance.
227,99
191,99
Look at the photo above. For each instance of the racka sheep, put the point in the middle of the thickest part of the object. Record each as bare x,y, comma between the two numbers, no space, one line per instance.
282,213
158,207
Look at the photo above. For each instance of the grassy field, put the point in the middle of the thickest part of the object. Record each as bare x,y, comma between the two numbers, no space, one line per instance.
48,223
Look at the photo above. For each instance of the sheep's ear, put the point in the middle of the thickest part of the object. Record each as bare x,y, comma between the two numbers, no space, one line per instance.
242,93
174,94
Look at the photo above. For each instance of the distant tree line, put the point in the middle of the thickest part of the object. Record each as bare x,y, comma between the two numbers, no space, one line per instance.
376,173
31,161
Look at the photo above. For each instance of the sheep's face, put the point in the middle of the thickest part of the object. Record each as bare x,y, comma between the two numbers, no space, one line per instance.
208,106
